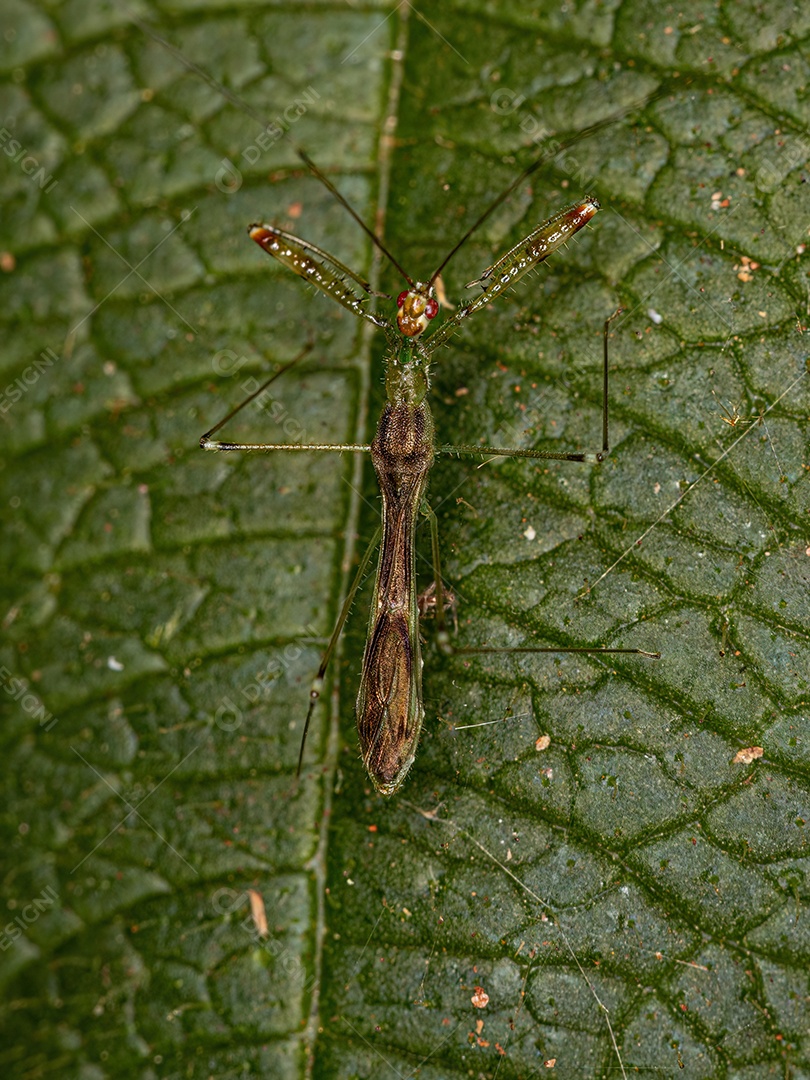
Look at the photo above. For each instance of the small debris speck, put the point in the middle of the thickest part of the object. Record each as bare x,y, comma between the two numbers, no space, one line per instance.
258,913
748,755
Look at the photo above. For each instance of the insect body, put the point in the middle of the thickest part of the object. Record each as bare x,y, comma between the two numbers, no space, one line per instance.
389,709
389,703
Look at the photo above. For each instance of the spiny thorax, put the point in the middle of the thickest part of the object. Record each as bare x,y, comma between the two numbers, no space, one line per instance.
406,376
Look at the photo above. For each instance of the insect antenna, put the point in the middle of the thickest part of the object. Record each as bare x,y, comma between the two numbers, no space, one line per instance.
542,159
248,109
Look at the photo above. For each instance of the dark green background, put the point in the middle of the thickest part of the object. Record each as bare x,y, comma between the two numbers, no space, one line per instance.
167,608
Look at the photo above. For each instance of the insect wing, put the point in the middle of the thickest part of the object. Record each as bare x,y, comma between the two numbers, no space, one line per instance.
389,702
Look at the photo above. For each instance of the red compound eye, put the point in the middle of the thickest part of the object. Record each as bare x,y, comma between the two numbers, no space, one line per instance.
401,298
431,309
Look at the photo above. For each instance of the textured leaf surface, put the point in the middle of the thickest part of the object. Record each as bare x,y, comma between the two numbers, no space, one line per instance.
598,864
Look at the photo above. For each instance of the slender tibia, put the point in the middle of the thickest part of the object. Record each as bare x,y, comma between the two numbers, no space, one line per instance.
547,455
598,649
335,448
442,636
207,442
317,683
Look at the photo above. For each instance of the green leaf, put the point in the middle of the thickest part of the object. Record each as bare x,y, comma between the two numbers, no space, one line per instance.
597,863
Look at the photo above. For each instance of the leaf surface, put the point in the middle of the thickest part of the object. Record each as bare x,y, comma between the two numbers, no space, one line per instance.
582,874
